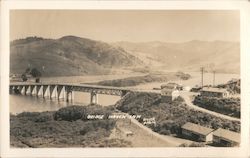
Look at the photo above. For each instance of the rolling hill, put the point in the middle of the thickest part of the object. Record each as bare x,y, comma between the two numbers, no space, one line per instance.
69,55
221,56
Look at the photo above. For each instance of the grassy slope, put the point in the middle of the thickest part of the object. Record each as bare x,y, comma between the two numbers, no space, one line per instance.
67,127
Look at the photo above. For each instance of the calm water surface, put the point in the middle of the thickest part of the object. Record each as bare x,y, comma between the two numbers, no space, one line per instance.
21,103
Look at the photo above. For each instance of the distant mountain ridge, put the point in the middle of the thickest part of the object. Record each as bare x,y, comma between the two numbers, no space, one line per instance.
221,56
69,55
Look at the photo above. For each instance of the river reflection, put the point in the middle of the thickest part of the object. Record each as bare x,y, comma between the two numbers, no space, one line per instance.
21,103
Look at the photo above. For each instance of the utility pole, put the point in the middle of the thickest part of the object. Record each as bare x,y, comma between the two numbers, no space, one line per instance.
202,71
213,78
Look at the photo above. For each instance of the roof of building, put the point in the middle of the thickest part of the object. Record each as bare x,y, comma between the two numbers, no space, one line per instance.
172,83
197,128
166,91
226,134
169,85
212,89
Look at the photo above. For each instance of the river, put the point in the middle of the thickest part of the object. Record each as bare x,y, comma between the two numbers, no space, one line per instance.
220,78
20,103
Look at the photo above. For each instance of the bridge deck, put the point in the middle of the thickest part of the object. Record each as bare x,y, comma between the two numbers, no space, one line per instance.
68,84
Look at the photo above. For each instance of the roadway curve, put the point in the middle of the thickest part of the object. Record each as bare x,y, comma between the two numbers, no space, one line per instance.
187,98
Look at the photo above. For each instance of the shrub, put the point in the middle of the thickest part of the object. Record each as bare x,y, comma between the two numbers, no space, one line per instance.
35,116
170,116
71,113
39,129
43,117
227,106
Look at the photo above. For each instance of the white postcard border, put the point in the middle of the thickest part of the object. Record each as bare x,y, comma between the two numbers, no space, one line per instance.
242,151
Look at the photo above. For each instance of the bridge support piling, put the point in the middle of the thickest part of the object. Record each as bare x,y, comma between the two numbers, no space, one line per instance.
93,98
45,87
69,93
59,91
64,91
68,96
72,96
26,88
38,89
21,89
51,88
32,89
16,90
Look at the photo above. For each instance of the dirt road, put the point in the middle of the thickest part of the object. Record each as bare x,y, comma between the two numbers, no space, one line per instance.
142,136
187,97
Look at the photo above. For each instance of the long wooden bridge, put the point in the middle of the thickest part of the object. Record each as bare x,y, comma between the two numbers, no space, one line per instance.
64,90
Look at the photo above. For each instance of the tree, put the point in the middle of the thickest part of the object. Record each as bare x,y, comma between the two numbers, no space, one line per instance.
24,77
27,70
35,73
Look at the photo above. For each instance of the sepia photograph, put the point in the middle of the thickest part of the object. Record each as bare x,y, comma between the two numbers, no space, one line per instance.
103,78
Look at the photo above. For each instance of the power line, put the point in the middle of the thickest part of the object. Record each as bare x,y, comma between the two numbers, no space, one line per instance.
213,78
202,71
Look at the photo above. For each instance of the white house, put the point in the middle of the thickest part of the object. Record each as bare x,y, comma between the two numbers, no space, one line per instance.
169,92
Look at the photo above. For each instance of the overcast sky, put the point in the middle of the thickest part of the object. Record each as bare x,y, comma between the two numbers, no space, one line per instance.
134,26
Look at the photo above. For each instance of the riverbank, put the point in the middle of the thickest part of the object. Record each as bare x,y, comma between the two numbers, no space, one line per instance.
149,78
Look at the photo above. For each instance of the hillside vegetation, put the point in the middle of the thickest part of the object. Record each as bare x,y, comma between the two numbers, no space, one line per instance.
233,88
170,116
227,106
68,55
67,127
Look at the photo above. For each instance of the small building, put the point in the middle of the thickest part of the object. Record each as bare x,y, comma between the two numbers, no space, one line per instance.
169,92
168,95
226,138
195,89
214,92
15,78
187,88
197,132
172,85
